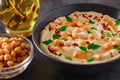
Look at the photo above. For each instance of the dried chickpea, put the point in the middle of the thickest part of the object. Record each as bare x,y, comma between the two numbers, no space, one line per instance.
1,57
19,59
1,65
23,45
7,57
14,44
17,49
1,52
13,54
6,51
28,46
10,63
24,57
22,53
20,40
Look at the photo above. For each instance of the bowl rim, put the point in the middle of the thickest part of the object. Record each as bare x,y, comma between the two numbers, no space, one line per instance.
60,61
30,57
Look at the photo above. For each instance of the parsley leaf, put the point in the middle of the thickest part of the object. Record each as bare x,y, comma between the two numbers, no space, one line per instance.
89,32
106,34
93,46
55,36
47,42
68,57
116,35
59,54
117,47
91,22
69,19
63,28
83,48
94,28
65,39
90,59
117,23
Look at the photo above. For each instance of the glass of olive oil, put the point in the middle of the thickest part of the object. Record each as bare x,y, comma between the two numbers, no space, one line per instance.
19,16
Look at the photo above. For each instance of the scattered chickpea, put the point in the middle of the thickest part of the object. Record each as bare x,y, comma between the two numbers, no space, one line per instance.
111,39
7,57
91,36
82,42
108,46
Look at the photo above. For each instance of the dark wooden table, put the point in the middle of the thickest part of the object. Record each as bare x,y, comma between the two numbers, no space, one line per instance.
43,69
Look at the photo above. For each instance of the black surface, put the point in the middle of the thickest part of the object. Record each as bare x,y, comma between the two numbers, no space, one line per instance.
43,69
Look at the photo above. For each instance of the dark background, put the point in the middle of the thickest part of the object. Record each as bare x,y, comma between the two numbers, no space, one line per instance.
43,69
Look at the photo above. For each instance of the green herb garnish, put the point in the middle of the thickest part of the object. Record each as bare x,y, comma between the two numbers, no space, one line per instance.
90,59
117,47
47,42
69,19
116,35
65,39
63,28
117,23
68,57
83,48
94,28
93,46
55,36
91,22
59,54
89,32
106,34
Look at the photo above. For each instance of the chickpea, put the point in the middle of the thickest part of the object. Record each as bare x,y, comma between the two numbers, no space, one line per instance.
17,49
1,57
111,39
6,51
1,65
19,59
14,44
20,40
75,35
22,53
1,52
82,42
77,14
28,46
67,44
91,36
114,43
52,25
4,44
108,46
22,45
7,57
10,63
24,57
13,54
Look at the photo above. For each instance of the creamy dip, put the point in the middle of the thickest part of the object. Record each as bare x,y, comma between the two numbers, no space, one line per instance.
82,38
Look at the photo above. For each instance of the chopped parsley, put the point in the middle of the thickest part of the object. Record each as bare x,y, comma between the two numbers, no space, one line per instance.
63,28
55,36
93,46
68,57
106,34
83,48
69,19
59,54
117,23
91,21
116,35
47,42
65,39
90,59
94,28
117,47
89,32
